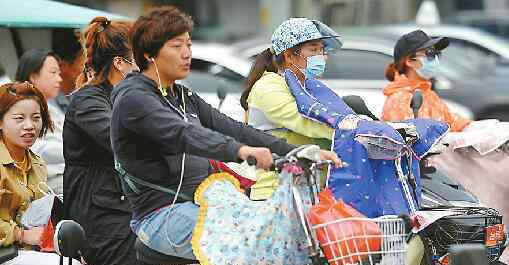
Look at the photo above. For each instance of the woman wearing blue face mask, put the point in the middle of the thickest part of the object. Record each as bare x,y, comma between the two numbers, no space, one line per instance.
416,61
299,45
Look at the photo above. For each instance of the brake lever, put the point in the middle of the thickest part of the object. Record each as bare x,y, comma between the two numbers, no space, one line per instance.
277,165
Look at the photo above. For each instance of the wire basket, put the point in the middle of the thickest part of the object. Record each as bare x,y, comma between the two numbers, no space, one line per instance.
363,241
469,225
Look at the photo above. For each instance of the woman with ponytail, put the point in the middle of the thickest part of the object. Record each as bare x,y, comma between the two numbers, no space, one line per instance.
92,191
416,60
267,99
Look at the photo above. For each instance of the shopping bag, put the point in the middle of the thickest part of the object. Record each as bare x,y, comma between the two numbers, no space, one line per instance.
345,235
44,212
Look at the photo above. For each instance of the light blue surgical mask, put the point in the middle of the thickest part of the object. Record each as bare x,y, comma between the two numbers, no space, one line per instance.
429,67
315,66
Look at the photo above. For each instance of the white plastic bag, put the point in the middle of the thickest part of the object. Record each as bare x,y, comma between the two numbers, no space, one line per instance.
39,211
484,136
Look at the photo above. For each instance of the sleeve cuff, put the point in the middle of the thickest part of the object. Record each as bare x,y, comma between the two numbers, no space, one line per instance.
232,151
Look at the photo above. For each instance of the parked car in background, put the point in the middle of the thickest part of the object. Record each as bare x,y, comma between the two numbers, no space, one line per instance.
489,53
493,21
470,37
218,76
473,68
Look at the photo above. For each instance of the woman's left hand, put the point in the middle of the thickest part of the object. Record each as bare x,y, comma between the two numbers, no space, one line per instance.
328,155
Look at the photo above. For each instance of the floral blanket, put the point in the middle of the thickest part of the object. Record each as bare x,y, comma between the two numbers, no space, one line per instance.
234,230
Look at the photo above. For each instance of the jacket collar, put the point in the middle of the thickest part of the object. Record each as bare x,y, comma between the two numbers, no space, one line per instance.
402,83
6,159
106,87
152,84
144,79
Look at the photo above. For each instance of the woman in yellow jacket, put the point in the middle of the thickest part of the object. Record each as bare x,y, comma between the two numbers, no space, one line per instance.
24,117
298,44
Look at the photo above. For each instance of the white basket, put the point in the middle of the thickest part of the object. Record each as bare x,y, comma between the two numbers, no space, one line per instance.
348,248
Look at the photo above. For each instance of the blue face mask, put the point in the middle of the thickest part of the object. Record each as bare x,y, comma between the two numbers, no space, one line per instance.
315,66
429,67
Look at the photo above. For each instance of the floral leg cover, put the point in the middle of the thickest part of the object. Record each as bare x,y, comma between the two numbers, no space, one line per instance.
234,230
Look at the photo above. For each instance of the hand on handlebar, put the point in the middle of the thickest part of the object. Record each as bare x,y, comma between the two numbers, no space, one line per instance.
328,155
262,155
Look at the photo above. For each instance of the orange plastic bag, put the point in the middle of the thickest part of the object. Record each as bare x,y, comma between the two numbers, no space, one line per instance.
344,238
46,243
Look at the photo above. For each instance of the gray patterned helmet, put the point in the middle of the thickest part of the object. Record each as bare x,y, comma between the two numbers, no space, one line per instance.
299,30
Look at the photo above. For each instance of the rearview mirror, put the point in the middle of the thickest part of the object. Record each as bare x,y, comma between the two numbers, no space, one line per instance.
221,94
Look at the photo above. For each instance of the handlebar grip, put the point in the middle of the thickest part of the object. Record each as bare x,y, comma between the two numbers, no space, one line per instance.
251,160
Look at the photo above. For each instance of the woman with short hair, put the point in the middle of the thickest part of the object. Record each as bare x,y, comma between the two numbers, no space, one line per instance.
163,135
24,118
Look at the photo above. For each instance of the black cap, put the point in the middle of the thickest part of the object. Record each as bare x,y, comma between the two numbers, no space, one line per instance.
417,40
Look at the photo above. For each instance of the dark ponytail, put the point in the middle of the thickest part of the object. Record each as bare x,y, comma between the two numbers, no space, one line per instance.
400,67
390,71
103,40
265,62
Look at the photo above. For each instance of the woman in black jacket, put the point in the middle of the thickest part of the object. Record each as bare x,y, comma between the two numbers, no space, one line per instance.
92,192
163,134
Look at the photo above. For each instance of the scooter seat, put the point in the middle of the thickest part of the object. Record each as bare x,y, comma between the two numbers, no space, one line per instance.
153,257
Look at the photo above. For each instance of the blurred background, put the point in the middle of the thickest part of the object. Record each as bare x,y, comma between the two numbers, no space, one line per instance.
229,20
230,33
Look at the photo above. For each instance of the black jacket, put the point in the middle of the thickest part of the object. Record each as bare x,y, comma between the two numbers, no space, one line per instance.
92,192
149,136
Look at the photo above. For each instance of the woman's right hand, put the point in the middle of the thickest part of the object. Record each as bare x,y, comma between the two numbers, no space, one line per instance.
32,236
263,156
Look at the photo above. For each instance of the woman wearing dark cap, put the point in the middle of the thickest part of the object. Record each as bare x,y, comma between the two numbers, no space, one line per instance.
416,61
93,196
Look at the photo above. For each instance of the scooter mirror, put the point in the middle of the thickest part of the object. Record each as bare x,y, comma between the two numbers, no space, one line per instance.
69,239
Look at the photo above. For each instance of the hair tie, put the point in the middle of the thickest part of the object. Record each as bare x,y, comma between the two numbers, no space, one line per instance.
11,90
103,25
29,85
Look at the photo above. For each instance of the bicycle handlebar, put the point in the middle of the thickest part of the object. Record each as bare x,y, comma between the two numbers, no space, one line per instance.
280,161
251,160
